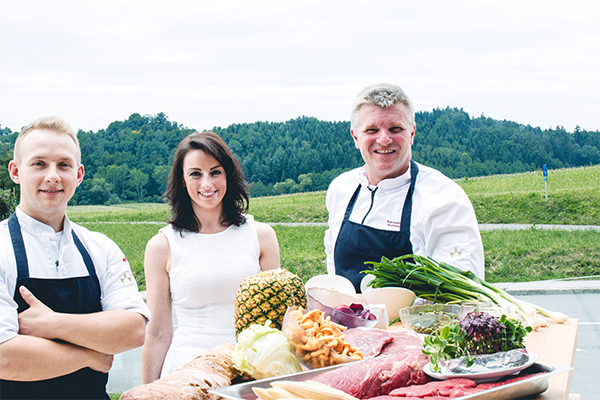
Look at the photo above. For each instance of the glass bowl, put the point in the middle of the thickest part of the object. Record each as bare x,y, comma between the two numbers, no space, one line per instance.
326,301
310,351
427,318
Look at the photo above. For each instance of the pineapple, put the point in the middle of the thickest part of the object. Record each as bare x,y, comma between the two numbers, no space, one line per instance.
266,296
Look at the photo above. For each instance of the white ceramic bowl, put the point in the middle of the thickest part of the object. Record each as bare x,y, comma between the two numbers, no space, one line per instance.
394,299
335,282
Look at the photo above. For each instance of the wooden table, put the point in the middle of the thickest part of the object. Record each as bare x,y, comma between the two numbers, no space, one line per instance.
554,344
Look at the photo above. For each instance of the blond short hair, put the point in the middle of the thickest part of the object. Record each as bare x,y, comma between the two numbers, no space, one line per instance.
54,124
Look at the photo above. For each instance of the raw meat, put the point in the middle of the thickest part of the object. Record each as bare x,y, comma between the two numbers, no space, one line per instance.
415,391
378,376
491,385
387,397
449,387
403,340
369,340
453,383
457,391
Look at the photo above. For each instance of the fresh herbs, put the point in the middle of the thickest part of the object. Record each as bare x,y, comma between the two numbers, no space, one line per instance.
445,283
478,333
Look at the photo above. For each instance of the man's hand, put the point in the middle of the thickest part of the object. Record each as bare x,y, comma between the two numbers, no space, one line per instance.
108,332
36,320
101,362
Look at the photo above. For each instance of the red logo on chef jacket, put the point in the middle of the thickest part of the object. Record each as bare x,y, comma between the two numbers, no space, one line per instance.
393,224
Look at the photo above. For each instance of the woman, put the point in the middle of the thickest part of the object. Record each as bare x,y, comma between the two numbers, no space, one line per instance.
196,264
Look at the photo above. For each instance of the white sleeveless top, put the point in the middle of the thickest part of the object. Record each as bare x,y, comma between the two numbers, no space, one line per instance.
206,272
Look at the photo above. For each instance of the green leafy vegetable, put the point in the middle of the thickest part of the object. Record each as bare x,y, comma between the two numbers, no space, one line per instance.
478,333
264,352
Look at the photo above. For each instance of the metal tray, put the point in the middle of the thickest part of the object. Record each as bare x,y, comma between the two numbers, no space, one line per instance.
527,387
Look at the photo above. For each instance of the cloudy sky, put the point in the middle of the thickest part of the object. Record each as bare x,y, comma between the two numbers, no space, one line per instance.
214,63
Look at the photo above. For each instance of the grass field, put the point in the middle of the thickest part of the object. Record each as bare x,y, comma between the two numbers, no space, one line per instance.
516,256
573,197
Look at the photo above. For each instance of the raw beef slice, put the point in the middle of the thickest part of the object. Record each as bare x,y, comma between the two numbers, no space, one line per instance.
378,376
403,340
370,341
415,391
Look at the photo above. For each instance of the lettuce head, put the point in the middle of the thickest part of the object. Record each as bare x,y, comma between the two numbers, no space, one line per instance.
264,352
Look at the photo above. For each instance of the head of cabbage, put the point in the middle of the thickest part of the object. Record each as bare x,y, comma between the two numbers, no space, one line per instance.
264,352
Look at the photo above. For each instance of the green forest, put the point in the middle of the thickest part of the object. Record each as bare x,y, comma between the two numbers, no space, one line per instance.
130,160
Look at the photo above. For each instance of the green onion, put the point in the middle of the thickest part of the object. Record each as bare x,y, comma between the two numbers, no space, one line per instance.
444,283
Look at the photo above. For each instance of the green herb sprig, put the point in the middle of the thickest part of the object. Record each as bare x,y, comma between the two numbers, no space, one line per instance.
478,333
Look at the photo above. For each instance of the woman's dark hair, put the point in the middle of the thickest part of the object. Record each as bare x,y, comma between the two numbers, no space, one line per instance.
235,201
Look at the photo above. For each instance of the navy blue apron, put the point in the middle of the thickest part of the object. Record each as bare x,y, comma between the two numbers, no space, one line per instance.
357,243
80,295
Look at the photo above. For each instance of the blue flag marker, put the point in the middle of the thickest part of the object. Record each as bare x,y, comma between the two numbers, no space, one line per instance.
545,172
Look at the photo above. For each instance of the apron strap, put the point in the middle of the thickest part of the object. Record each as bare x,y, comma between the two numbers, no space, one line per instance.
21,255
407,208
18,246
84,254
350,206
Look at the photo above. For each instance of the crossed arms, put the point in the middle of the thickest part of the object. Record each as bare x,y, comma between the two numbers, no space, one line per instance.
92,340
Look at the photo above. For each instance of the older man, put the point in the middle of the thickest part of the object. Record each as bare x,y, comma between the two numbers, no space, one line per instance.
393,206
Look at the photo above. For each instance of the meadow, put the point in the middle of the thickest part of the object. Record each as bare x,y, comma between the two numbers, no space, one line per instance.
510,256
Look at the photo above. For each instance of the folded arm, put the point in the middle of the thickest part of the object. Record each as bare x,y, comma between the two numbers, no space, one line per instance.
108,332
30,358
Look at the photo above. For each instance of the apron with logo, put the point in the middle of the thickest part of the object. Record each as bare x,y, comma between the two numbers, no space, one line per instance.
80,295
357,243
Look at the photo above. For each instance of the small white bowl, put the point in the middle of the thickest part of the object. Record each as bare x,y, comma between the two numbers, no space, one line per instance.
394,299
334,282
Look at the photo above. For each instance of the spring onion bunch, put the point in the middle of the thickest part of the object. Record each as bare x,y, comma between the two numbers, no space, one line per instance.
445,283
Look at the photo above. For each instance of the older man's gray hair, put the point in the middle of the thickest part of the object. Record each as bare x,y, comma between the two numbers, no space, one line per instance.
381,95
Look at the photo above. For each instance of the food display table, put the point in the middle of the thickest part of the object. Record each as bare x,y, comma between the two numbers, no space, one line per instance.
554,344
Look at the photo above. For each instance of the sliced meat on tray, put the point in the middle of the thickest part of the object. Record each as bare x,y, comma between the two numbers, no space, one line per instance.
369,340
403,340
373,342
388,397
457,392
447,388
453,383
378,376
415,391
520,377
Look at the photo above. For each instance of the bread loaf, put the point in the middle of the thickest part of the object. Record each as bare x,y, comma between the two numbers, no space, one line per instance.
211,370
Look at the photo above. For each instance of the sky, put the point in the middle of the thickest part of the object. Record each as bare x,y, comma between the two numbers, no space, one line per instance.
214,63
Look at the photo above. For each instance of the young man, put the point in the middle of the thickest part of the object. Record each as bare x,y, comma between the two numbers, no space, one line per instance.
68,300
393,206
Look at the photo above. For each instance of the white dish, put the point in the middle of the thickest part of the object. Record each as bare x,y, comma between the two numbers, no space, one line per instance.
483,376
335,282
364,281
394,299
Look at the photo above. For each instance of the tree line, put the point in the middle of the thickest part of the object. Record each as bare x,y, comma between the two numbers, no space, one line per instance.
130,160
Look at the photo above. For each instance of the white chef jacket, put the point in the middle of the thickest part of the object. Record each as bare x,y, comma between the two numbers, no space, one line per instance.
52,255
443,223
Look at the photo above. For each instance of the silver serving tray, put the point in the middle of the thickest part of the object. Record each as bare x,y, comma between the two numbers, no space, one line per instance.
516,390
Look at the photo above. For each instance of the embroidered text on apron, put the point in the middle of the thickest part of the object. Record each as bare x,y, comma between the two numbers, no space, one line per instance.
357,243
79,295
